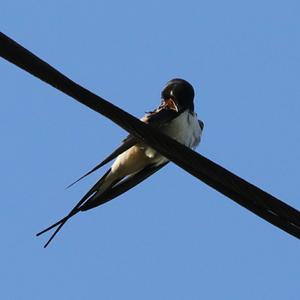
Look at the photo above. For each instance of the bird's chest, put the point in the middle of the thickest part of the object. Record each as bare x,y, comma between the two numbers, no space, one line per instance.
184,129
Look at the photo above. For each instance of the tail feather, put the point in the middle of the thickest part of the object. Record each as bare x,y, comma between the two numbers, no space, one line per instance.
61,224
95,189
127,143
52,226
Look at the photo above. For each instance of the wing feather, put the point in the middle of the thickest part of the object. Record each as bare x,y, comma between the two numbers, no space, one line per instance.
122,187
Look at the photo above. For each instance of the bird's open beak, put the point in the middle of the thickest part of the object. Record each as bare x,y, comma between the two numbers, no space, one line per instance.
170,104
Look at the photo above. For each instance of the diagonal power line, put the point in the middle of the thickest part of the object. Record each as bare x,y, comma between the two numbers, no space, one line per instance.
244,193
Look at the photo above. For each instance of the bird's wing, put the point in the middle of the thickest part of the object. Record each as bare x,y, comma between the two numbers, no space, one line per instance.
157,118
127,143
91,200
121,187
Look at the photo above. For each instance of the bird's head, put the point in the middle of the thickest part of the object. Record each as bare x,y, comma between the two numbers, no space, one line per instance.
178,95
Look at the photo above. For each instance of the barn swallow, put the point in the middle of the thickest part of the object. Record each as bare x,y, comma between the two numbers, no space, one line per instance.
134,160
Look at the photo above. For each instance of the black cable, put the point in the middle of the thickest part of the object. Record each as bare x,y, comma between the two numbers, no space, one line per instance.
247,195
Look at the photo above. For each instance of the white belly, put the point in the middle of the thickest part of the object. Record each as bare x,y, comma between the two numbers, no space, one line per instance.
185,129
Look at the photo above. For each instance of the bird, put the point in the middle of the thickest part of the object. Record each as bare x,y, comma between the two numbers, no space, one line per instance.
134,160
249,196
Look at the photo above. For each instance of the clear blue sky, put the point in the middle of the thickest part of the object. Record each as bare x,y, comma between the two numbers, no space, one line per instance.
172,237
